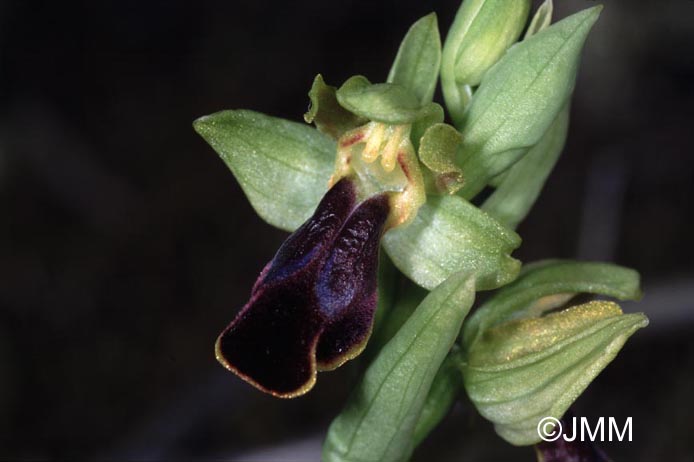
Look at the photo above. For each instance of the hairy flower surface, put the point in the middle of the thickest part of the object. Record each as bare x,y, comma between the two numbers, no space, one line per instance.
313,305
396,174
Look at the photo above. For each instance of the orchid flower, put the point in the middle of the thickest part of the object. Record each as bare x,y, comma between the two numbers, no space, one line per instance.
382,171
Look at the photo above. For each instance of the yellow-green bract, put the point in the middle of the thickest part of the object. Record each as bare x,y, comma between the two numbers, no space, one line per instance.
520,364
519,98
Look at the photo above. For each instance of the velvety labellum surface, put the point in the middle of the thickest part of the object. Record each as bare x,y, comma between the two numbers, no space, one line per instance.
313,305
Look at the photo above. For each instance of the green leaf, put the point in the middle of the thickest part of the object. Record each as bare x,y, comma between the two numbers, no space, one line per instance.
282,166
526,369
437,150
379,420
418,60
541,20
547,284
520,97
449,235
480,34
522,183
444,390
326,113
388,103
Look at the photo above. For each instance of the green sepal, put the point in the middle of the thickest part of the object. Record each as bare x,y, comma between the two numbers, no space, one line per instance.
326,113
444,390
449,235
283,167
520,97
437,151
541,285
541,20
417,63
380,417
524,370
387,103
480,34
522,183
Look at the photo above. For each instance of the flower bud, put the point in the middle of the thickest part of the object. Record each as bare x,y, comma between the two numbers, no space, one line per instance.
521,364
524,370
480,34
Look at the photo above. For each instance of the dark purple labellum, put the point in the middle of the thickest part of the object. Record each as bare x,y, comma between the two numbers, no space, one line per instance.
312,307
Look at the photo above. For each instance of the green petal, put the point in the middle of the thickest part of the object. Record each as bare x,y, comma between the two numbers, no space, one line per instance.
520,97
417,63
388,103
282,166
522,183
542,284
524,370
329,117
449,235
437,150
379,420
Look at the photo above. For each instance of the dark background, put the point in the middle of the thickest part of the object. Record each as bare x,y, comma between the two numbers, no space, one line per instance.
126,245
